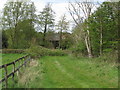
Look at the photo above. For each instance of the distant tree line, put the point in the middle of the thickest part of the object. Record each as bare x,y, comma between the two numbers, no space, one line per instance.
21,26
94,33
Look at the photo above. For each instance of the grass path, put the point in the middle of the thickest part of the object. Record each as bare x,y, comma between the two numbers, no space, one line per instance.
69,72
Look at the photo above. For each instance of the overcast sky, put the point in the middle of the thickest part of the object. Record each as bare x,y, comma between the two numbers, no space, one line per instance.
59,6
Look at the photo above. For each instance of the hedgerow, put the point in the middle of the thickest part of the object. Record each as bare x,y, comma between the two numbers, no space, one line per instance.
39,51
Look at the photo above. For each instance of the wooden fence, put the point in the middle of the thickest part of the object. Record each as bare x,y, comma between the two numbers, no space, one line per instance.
24,61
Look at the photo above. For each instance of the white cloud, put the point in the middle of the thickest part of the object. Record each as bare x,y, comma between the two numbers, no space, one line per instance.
39,5
2,2
60,9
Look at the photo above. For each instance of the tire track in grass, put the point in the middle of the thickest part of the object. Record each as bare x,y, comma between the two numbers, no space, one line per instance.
79,69
62,69
54,78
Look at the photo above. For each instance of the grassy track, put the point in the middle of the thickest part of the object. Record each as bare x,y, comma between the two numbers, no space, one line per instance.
68,72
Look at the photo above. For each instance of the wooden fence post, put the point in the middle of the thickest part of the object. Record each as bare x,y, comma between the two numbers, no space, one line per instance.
13,70
18,71
6,79
25,61
29,60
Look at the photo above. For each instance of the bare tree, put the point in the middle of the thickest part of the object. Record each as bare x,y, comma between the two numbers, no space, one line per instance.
76,10
63,25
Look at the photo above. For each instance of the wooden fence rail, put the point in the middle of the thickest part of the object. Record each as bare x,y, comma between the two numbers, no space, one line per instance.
26,59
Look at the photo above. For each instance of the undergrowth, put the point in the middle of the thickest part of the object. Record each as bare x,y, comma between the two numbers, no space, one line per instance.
39,51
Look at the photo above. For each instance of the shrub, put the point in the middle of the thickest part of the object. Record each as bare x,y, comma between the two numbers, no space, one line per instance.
38,51
78,51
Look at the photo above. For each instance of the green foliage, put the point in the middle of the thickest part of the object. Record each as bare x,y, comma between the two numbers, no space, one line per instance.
67,40
46,17
38,51
66,43
14,12
39,36
46,21
103,21
25,32
79,50
10,36
102,26
4,40
17,21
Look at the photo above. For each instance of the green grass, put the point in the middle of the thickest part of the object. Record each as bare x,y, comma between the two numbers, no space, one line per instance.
7,58
68,72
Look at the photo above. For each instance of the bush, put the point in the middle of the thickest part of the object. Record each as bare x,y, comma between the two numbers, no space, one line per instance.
78,51
38,51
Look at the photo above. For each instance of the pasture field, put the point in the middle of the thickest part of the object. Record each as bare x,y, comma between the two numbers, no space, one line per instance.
7,58
68,72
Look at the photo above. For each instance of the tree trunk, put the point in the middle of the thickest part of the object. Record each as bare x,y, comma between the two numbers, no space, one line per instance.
15,32
101,39
15,42
44,35
86,8
60,39
88,46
